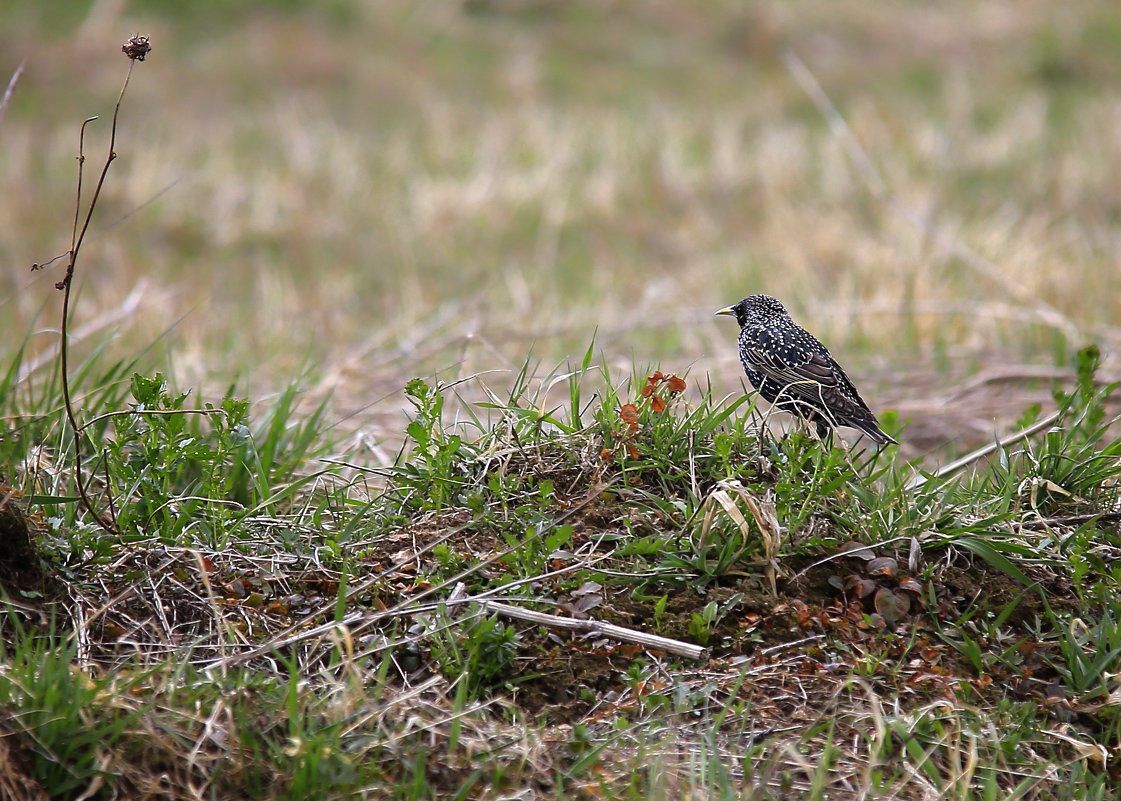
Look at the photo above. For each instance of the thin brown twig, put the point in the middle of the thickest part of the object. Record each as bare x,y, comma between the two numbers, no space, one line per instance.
104,170
112,505
66,285
64,351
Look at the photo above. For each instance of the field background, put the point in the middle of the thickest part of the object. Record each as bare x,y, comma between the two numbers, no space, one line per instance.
370,192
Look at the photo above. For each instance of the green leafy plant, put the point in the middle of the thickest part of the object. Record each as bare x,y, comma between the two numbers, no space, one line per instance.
170,468
433,477
478,651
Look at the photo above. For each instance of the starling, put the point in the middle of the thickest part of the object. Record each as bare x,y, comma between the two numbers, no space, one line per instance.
791,369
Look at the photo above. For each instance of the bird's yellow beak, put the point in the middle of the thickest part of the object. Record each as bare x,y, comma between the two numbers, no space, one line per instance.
728,310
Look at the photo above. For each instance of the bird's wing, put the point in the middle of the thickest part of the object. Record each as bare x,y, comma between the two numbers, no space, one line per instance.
807,373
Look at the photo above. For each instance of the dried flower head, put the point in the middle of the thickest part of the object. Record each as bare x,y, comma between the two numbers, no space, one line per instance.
137,47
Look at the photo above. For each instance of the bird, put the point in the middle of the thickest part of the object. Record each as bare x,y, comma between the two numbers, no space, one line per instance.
789,367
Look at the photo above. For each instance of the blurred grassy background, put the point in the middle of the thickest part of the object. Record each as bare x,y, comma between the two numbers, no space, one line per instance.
389,189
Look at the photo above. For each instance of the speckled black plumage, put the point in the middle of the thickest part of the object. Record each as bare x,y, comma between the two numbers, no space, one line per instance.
795,372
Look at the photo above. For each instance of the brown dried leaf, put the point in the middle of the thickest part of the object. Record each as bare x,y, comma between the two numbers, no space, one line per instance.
882,566
675,384
234,589
930,654
646,390
910,585
1055,693
859,586
587,602
632,451
629,413
657,404
891,606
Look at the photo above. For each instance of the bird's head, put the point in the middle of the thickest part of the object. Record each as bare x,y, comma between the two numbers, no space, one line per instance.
755,309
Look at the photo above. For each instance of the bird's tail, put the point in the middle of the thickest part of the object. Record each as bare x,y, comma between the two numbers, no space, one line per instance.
877,434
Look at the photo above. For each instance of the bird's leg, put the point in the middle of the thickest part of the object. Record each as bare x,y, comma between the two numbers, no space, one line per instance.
821,427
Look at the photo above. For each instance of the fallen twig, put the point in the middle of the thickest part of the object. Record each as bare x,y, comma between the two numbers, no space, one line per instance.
590,626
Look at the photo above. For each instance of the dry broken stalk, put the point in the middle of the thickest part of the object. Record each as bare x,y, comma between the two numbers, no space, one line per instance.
654,641
136,48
